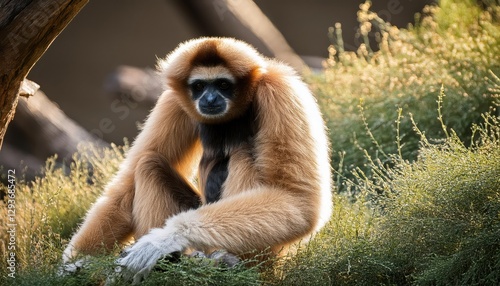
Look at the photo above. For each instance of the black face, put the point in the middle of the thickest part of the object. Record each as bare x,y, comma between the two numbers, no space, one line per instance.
212,96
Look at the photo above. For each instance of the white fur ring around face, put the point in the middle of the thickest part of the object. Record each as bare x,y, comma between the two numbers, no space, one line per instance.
139,259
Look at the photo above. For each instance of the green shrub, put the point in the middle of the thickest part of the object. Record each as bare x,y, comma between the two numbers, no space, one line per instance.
435,221
456,46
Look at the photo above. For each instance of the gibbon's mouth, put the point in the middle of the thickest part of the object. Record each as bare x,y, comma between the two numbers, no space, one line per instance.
212,110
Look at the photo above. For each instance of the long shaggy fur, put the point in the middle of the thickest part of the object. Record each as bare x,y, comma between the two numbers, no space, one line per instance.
277,189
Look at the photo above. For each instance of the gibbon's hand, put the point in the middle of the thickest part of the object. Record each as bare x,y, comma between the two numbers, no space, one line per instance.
139,259
70,268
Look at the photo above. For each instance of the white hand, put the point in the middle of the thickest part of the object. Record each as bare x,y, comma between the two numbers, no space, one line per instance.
141,257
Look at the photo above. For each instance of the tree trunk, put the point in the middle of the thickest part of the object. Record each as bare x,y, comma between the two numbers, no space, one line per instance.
27,28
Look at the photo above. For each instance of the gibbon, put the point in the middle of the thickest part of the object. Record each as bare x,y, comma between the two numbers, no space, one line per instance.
252,129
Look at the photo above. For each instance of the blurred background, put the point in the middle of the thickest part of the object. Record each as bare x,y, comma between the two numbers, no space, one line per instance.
98,76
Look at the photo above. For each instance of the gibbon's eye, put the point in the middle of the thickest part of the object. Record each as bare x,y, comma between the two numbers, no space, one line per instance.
223,85
198,86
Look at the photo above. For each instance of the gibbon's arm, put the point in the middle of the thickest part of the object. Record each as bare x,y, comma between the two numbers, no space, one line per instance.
282,209
163,156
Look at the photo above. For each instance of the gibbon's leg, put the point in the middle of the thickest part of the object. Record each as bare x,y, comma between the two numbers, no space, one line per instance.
160,193
108,222
144,174
243,176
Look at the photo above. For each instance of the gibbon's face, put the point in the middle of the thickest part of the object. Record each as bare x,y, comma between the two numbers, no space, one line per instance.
212,90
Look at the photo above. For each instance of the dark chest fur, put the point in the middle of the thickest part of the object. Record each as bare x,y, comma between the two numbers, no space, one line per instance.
218,141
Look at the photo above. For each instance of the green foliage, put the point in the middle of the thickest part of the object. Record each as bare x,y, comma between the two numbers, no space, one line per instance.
437,222
455,46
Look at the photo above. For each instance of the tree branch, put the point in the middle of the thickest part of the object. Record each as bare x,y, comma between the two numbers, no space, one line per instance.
27,28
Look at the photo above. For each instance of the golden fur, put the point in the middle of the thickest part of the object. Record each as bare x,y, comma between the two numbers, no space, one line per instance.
277,191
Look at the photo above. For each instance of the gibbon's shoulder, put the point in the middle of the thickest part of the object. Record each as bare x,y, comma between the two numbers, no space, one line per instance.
278,70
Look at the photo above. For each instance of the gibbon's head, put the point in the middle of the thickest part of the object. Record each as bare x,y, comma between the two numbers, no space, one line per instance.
215,77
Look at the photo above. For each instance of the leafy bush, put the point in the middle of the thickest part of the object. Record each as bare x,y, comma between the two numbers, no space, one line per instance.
438,222
455,46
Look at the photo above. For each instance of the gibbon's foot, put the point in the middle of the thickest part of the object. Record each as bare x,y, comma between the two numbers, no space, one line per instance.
220,257
70,268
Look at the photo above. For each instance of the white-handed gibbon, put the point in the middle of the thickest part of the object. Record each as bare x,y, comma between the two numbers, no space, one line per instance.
252,129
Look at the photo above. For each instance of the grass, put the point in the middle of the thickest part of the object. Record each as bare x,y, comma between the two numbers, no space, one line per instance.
415,133
48,210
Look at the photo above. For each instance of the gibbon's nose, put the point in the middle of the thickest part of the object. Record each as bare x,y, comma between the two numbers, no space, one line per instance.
210,98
